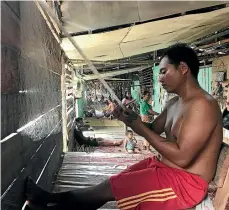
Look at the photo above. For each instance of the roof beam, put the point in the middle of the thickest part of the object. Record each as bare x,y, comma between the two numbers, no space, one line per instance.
214,44
115,73
223,33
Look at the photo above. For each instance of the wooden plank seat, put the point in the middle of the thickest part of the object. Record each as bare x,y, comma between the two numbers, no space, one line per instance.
218,190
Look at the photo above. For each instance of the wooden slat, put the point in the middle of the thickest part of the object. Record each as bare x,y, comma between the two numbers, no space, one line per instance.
13,198
222,195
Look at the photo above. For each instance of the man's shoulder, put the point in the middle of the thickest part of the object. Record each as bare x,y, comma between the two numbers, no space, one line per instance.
204,100
205,103
124,101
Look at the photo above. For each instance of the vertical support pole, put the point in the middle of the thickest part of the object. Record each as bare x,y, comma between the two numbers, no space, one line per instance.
75,103
153,81
64,105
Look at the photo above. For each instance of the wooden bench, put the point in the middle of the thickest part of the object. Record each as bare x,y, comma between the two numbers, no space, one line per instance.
219,188
221,180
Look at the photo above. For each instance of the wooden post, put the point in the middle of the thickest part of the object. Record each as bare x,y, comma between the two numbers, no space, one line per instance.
64,106
222,194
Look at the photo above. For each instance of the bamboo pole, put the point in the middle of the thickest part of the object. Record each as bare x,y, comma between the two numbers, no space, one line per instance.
64,106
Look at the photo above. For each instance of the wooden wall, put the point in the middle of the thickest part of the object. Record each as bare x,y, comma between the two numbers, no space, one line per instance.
31,137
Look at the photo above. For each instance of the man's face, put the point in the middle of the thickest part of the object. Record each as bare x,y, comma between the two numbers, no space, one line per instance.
170,77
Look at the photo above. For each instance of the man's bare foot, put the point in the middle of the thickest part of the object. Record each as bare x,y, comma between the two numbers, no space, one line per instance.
35,193
33,206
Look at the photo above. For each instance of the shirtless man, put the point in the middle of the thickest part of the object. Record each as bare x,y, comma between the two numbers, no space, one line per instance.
193,126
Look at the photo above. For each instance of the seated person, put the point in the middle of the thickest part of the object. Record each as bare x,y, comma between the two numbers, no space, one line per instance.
192,122
90,112
109,108
130,144
108,142
94,142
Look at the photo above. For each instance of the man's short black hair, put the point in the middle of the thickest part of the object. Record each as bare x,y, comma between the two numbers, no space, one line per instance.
182,52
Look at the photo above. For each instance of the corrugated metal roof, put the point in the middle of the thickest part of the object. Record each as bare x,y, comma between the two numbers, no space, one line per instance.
147,37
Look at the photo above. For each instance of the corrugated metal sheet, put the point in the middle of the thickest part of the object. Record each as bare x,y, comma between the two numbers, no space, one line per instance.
147,37
80,170
90,15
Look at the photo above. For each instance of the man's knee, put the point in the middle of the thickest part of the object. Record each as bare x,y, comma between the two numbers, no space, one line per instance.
105,190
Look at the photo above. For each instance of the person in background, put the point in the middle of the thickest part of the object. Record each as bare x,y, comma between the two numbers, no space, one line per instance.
109,108
226,112
218,94
218,90
146,112
128,98
130,144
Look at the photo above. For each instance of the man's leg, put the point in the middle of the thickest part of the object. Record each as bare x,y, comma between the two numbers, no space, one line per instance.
88,198
148,184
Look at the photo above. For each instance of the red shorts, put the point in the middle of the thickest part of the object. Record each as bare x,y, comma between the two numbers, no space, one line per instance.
151,184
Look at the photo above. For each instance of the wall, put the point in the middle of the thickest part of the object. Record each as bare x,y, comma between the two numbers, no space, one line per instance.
81,106
136,91
31,102
205,79
156,90
220,64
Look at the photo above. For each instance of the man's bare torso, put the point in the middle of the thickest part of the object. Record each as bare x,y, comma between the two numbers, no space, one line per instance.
204,164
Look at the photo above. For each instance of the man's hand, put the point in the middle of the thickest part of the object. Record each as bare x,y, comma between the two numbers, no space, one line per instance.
129,117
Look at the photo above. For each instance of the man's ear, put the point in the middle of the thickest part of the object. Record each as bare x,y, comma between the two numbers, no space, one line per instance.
184,67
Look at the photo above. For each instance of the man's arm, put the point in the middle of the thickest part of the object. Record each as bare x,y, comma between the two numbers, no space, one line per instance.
197,126
124,101
152,112
134,140
158,125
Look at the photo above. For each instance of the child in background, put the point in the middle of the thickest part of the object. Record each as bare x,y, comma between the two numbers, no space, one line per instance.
130,143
